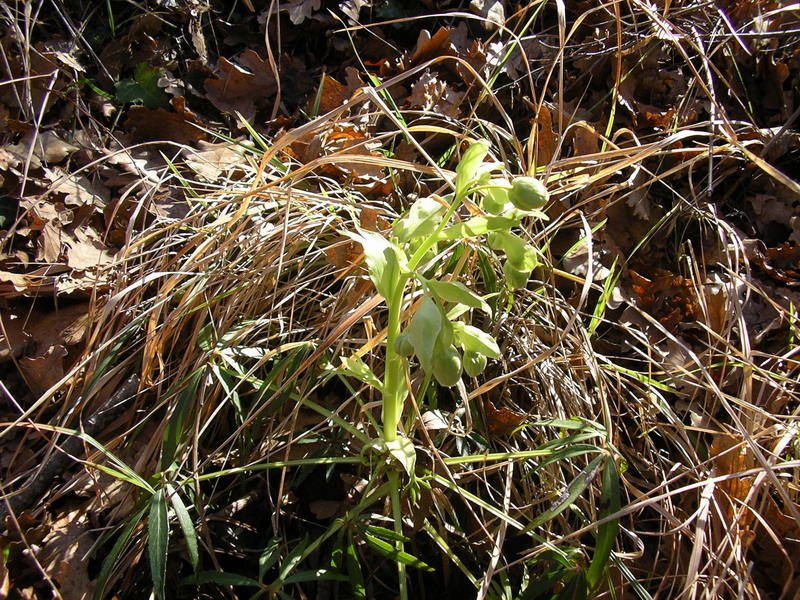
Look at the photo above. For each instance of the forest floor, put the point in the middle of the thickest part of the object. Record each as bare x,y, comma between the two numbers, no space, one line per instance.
192,345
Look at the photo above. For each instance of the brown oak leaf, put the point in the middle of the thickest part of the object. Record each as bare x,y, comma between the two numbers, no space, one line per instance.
243,86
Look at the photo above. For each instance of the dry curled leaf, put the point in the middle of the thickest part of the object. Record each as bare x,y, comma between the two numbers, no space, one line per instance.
179,125
502,421
242,86
668,297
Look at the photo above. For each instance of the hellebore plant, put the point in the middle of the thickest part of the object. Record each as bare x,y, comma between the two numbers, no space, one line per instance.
403,268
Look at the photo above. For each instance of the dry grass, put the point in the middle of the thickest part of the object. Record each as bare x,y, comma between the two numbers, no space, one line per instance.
645,336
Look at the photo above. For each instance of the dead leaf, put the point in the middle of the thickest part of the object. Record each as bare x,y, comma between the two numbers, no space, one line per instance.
492,11
300,10
429,47
48,146
85,251
433,95
781,263
243,86
502,421
732,455
324,509
43,372
332,95
210,161
65,552
50,243
13,339
668,297
585,140
179,126
77,190
546,139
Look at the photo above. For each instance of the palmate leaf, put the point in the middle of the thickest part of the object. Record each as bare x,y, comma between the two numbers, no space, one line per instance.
421,221
385,261
458,293
469,166
144,88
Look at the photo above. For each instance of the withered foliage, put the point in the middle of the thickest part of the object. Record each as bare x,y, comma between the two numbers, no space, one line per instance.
179,171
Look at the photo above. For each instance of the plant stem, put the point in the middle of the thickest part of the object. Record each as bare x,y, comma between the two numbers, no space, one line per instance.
397,517
393,384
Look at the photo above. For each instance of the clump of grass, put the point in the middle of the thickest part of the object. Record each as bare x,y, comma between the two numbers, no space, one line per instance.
635,431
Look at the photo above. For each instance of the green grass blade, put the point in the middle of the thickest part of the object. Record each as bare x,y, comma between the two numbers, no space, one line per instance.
113,556
576,487
606,533
185,521
221,578
390,551
157,547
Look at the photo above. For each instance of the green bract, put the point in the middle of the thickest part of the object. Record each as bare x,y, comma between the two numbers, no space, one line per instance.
473,363
496,197
515,278
528,193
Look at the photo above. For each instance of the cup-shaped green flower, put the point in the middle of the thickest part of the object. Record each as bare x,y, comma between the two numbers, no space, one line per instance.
528,193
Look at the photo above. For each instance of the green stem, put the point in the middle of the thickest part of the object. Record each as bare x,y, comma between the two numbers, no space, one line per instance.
397,517
393,384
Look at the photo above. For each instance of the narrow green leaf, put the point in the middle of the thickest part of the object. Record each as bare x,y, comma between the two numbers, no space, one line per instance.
606,533
185,521
457,292
114,554
294,557
221,578
385,533
318,575
269,557
386,549
174,437
157,545
354,572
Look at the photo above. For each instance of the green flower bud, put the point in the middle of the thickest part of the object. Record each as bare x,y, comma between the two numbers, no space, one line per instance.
473,363
402,344
447,367
528,193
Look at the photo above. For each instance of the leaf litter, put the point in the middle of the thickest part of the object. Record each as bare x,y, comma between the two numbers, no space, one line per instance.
117,142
